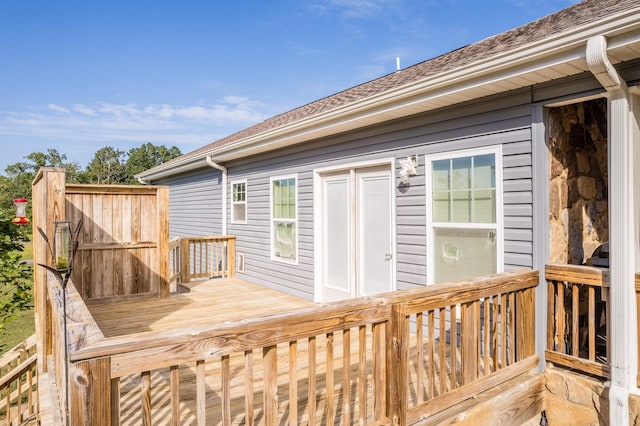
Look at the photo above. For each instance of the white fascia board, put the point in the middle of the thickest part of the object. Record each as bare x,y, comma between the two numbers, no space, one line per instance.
159,172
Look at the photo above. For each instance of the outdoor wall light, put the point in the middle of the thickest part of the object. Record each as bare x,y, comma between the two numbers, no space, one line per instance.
62,249
21,211
407,168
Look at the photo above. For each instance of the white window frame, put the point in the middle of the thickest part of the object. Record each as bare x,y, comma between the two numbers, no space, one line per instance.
272,219
234,203
496,150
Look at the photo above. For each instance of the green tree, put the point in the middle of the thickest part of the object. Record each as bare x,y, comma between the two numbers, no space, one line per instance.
18,176
16,277
146,157
107,167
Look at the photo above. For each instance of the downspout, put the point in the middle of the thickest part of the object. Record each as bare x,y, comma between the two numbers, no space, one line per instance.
623,321
223,169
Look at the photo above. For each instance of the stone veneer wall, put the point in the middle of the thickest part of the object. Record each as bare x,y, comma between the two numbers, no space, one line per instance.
578,187
574,399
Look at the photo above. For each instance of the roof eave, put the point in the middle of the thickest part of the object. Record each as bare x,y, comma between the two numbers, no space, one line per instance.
562,48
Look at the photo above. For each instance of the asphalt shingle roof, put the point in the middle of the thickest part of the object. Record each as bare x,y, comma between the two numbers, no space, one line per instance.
575,16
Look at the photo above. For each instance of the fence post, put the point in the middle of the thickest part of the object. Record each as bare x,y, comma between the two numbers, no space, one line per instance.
48,197
185,260
90,392
397,344
162,200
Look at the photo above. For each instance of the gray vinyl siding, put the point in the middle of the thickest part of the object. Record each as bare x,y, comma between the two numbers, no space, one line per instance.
195,201
456,128
503,120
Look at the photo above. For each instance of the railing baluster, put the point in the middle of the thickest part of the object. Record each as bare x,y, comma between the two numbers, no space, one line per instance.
270,387
362,374
453,345
442,335
380,382
201,393
495,338
512,328
432,354
115,402
293,382
248,385
560,318
592,323
346,380
575,312
145,393
486,336
225,367
174,384
311,404
330,408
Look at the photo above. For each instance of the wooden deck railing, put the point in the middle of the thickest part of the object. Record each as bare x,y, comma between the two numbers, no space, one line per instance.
397,358
577,318
18,382
201,257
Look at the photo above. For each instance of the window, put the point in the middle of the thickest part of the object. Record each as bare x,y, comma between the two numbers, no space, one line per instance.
284,218
464,214
239,202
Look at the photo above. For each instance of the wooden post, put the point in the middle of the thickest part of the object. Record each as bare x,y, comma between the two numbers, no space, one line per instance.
185,260
270,392
397,345
48,197
90,392
162,200
231,257
470,338
525,323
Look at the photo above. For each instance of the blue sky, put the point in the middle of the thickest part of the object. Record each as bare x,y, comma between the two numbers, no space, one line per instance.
78,75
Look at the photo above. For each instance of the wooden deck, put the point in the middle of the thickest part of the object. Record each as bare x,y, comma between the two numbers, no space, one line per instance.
208,302
318,374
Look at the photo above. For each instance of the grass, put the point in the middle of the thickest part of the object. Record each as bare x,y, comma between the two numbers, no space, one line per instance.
17,330
23,326
27,253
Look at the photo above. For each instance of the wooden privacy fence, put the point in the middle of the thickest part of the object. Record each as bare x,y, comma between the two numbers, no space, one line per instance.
577,312
18,382
397,358
201,257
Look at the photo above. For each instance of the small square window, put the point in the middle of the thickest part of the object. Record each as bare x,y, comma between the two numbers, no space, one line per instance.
239,202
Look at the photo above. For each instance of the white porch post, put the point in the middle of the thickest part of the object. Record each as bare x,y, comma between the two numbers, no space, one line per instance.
622,233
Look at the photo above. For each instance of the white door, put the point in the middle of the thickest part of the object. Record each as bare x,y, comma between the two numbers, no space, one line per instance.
356,231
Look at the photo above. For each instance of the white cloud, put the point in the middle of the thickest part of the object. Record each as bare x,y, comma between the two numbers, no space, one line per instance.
111,123
58,109
83,109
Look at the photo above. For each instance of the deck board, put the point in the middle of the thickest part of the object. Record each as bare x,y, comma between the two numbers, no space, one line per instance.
208,302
